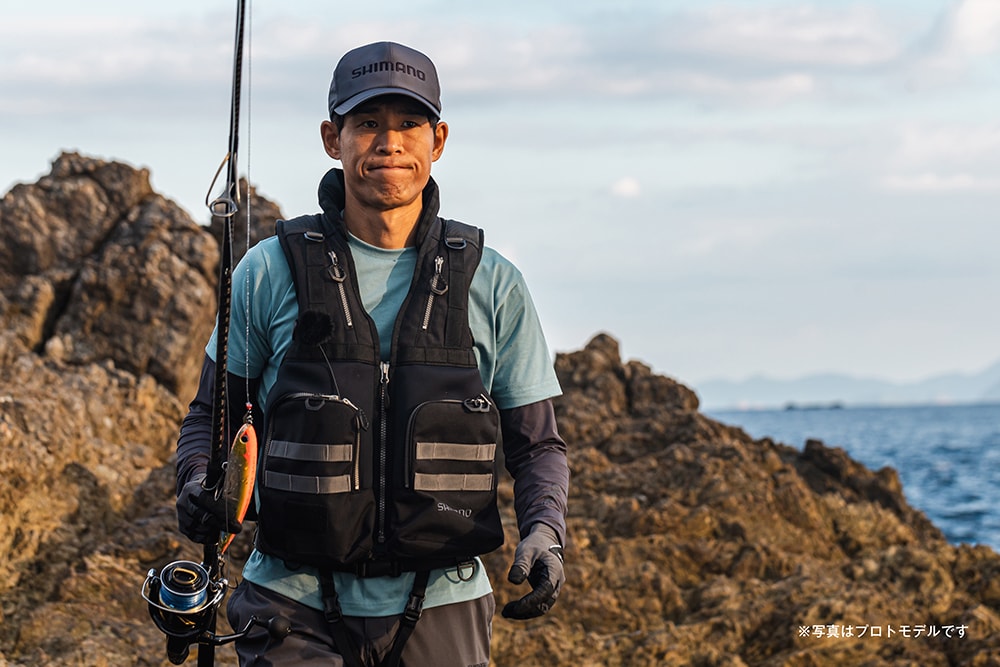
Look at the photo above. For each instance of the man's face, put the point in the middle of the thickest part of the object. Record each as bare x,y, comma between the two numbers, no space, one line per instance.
386,147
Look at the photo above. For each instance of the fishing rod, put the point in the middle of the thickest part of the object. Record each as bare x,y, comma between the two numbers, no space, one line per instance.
184,597
224,206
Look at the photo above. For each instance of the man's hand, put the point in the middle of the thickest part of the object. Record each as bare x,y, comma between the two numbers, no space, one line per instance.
538,559
200,516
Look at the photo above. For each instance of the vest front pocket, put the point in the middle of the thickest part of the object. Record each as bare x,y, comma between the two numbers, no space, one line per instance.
447,506
317,504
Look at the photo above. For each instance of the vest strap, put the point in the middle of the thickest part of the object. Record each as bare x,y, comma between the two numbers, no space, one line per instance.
342,636
464,245
414,608
335,620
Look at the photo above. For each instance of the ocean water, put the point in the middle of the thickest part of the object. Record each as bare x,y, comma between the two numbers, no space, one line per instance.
948,457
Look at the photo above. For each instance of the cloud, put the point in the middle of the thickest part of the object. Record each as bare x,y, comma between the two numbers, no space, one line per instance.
926,143
789,36
626,188
110,63
967,35
768,89
938,183
945,158
734,54
76,51
973,28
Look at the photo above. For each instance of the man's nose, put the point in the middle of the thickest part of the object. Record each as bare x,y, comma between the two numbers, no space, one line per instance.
390,141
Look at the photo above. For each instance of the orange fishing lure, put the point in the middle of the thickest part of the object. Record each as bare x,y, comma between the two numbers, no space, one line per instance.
241,472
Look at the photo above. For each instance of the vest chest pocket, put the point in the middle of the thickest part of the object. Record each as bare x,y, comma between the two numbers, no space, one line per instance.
449,495
315,482
314,445
451,446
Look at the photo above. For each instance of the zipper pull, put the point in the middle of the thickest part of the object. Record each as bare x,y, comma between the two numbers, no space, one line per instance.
477,404
438,284
384,383
361,422
438,287
335,270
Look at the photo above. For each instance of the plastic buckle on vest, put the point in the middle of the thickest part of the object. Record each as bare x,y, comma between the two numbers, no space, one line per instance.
455,242
414,608
314,236
331,609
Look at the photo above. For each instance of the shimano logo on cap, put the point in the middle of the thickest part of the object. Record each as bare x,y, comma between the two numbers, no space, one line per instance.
388,66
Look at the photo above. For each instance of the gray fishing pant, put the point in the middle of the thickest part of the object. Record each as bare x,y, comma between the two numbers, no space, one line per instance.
455,635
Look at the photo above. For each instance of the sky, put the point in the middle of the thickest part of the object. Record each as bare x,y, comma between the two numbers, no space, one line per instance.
730,189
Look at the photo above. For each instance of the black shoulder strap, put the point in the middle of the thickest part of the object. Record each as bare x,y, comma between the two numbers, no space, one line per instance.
435,329
303,242
465,250
323,273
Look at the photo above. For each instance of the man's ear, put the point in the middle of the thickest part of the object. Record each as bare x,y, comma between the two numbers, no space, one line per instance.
331,138
440,137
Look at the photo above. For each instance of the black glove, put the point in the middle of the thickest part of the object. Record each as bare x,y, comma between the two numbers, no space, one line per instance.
200,516
538,559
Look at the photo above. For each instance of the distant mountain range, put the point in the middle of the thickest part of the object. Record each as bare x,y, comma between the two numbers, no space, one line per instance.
832,389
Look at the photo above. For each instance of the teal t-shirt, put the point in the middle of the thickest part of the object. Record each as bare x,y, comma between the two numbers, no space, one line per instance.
510,347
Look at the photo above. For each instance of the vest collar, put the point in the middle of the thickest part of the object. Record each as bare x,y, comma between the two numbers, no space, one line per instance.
332,198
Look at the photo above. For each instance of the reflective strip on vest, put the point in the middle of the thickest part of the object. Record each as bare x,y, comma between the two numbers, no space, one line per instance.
303,484
453,451
425,482
302,451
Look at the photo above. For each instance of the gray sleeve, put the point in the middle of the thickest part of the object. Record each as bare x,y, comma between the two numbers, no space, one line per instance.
535,456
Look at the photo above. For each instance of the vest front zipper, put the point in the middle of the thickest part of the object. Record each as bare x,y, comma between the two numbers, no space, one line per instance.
383,451
337,273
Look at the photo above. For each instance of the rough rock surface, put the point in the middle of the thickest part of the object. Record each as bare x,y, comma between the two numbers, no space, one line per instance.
690,543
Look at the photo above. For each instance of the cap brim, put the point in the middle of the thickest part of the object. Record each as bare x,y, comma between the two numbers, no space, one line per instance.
351,103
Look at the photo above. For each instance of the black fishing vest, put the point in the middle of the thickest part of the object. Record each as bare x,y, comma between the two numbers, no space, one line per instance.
370,467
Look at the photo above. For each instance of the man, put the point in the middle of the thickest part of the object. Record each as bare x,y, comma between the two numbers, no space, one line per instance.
387,348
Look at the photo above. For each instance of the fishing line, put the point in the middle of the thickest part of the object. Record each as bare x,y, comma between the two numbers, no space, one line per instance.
246,286
246,431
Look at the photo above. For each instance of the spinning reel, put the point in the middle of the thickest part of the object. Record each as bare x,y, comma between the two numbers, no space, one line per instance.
183,602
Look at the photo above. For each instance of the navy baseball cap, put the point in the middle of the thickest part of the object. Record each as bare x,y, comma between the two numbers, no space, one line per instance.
383,68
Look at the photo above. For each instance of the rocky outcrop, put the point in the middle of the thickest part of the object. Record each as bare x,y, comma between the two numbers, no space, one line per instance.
95,266
107,296
690,542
